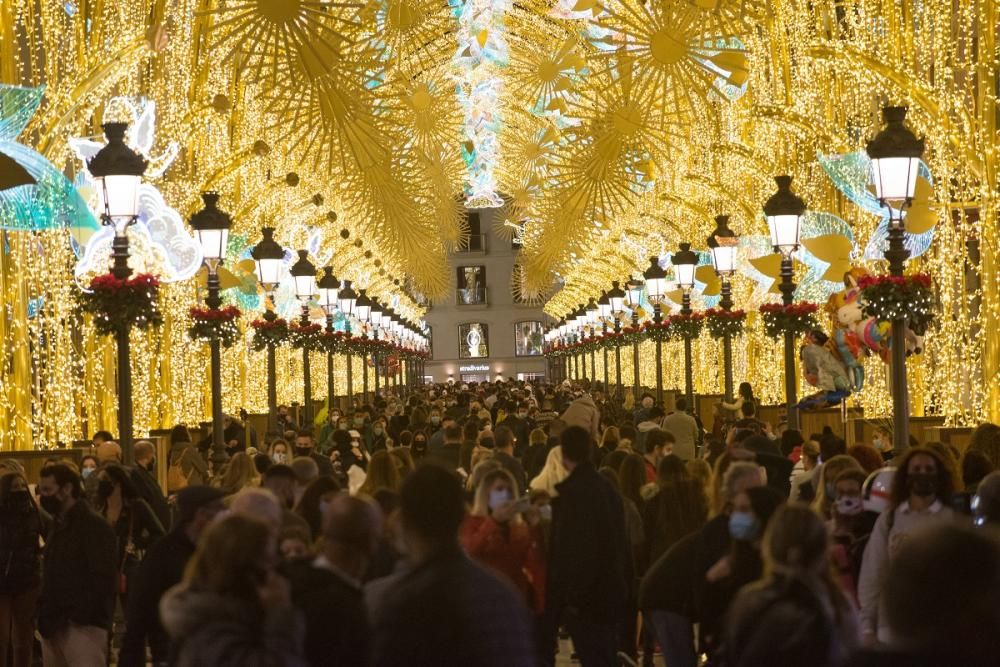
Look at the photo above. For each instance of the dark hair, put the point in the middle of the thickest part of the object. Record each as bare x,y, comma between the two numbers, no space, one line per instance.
613,477
790,439
103,435
852,474
819,336
655,411
975,466
614,459
759,444
405,438
901,481
261,462
575,441
470,430
658,438
746,391
748,408
432,504
504,436
985,439
304,433
764,500
627,432
867,456
680,403
632,477
120,477
63,475
278,471
308,505
179,433
671,469
831,445
91,457
228,558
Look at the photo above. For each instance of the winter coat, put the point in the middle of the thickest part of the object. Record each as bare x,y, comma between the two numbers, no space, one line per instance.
221,631
514,550
20,547
675,511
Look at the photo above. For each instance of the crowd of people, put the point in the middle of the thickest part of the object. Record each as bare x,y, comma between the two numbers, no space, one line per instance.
480,525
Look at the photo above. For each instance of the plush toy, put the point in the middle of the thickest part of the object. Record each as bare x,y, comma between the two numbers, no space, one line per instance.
823,370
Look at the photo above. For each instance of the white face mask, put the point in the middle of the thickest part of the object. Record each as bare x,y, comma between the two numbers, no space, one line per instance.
279,457
498,497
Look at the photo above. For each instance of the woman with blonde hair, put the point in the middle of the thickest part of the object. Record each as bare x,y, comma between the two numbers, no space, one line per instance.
701,472
238,473
233,608
826,492
382,474
505,535
609,442
553,473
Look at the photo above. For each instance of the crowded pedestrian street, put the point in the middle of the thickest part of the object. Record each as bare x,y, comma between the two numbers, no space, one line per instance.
479,333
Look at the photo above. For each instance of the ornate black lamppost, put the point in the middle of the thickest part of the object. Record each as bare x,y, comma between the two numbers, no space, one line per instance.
633,293
269,257
304,274
327,288
685,261
656,285
895,153
616,297
723,245
118,171
362,309
211,226
784,212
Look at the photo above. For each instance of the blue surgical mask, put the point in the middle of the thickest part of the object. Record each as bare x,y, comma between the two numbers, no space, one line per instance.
743,526
498,497
86,472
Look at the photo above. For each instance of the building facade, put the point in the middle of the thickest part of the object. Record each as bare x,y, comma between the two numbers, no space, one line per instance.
482,331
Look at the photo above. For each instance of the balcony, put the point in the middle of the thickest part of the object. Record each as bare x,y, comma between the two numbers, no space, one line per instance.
471,297
476,245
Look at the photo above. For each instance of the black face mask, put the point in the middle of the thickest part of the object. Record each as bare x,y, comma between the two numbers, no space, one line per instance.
51,504
303,451
19,501
105,488
923,484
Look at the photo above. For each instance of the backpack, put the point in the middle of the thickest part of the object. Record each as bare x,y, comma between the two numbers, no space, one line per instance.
176,479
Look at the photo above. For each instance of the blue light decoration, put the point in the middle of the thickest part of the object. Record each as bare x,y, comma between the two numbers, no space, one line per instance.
851,174
51,202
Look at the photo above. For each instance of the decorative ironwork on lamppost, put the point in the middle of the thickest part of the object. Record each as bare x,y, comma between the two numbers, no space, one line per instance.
592,317
723,245
616,297
633,294
269,257
118,171
895,153
362,308
656,286
345,303
327,288
211,226
375,318
685,261
304,274
604,314
784,211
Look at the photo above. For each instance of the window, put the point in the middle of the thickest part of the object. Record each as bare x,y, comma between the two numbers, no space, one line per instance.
528,338
471,282
430,341
477,240
473,340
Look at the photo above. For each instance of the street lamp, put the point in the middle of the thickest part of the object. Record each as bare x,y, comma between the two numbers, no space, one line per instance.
362,309
685,261
633,294
269,257
304,274
723,245
784,212
375,317
593,315
656,286
327,288
895,153
118,171
616,296
604,313
211,227
345,302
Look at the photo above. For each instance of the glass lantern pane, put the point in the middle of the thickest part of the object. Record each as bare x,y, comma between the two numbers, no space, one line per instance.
305,286
269,271
895,178
118,196
685,275
213,242
784,230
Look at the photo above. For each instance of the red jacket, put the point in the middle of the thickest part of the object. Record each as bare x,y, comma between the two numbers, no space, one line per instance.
514,550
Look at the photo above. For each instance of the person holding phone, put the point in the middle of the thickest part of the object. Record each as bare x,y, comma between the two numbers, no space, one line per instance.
503,532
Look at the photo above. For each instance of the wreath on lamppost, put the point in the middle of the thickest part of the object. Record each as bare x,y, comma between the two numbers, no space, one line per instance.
686,326
117,303
796,318
661,331
269,333
305,336
332,341
214,324
909,298
722,323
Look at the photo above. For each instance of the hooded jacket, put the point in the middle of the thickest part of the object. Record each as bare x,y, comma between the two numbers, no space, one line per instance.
583,412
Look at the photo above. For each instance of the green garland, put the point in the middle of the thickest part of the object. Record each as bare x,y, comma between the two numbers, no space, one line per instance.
686,327
909,298
214,324
797,318
721,323
305,336
269,333
118,304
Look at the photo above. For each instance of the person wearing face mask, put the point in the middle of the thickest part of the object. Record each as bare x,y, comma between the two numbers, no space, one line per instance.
751,511
850,526
920,490
826,494
418,448
20,574
508,541
279,452
517,421
135,524
305,445
329,426
378,435
88,464
882,441
79,574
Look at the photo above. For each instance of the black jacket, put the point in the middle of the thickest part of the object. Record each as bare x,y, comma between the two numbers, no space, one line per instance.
79,572
589,554
667,585
448,456
162,569
20,528
334,610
